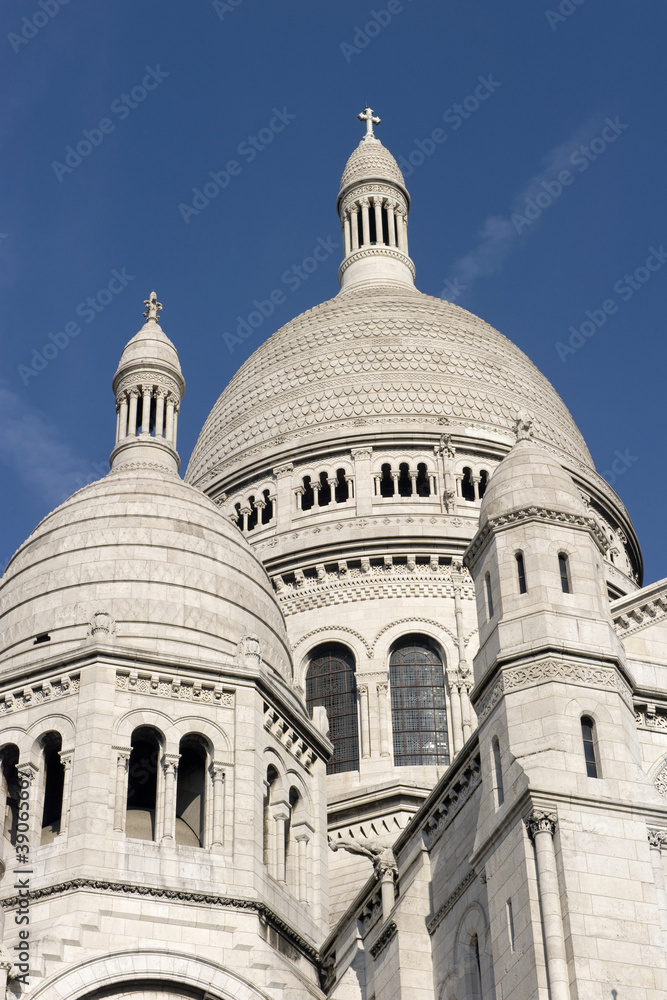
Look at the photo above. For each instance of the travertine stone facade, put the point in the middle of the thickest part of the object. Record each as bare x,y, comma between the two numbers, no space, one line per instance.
390,517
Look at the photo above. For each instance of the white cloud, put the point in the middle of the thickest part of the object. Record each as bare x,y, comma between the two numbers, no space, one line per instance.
498,234
32,448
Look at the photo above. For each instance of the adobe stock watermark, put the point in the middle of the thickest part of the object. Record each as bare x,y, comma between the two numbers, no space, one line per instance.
222,7
566,8
379,20
249,149
22,872
121,107
581,158
454,117
87,310
292,279
620,465
31,26
624,288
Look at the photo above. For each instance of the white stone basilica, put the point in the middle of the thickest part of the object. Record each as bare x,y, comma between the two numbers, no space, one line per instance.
371,706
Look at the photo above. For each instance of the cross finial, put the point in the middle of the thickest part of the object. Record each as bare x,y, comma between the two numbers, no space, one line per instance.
153,307
367,116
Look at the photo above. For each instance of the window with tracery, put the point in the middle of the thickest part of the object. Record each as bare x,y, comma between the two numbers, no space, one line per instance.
331,682
418,712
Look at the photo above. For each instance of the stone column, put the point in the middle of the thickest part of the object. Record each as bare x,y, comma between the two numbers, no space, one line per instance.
281,815
170,771
217,772
402,229
382,690
147,393
463,668
377,203
346,234
387,876
132,419
169,429
175,432
362,476
354,224
120,802
364,718
283,511
302,838
122,418
541,829
656,839
457,725
391,224
159,412
245,514
365,221
66,761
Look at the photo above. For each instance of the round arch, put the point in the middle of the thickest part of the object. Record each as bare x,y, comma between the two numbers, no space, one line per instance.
132,975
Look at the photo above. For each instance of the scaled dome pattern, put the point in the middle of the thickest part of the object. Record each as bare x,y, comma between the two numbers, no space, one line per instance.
386,356
370,160
153,554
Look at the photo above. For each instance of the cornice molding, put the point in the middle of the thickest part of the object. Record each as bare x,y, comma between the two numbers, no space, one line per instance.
577,521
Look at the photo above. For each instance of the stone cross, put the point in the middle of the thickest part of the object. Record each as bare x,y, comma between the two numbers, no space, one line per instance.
371,120
153,307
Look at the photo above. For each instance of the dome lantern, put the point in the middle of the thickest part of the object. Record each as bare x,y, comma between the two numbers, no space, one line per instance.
149,387
373,205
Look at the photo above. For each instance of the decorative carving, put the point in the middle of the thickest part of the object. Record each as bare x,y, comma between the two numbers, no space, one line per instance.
153,307
387,935
462,784
537,514
293,742
541,822
523,426
250,651
657,837
27,697
170,686
661,780
102,625
378,849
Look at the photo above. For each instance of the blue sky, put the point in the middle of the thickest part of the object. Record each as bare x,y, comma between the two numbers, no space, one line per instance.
169,92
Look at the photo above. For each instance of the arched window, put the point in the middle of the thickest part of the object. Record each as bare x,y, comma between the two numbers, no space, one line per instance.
342,489
191,792
271,778
54,780
483,482
418,714
267,509
590,751
331,682
10,791
308,497
239,516
489,596
521,572
253,515
564,568
387,481
467,485
324,493
142,784
404,480
423,485
474,970
291,850
498,771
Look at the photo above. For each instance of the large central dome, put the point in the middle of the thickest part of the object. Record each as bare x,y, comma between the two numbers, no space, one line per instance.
387,356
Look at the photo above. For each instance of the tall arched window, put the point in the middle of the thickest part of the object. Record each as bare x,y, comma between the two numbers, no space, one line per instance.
54,780
590,750
191,792
271,778
521,572
418,714
564,568
467,485
498,771
9,758
331,682
142,783
489,595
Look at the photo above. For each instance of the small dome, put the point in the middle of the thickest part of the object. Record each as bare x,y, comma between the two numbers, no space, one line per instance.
530,477
155,556
371,161
150,344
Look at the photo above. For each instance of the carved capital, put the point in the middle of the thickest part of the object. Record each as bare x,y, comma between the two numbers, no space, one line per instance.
541,822
657,837
282,471
170,763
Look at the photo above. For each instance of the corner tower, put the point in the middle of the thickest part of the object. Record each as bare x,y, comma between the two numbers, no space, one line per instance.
172,780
